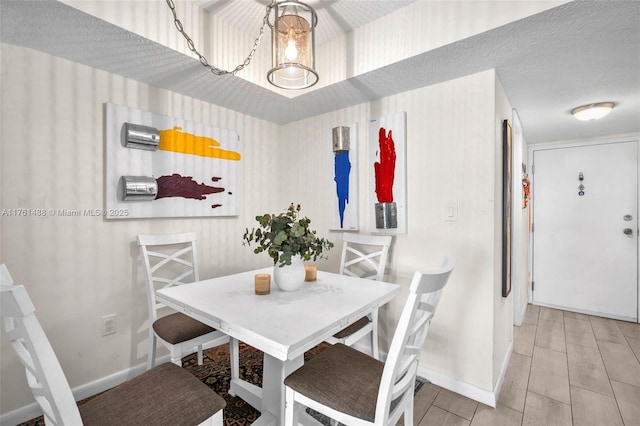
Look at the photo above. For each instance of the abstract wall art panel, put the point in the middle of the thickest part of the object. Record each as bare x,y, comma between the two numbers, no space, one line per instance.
388,174
159,166
343,203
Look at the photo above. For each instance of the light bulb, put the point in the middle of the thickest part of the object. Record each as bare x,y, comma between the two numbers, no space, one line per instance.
291,51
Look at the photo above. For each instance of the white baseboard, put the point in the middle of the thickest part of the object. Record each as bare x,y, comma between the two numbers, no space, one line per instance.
33,410
483,396
589,312
503,373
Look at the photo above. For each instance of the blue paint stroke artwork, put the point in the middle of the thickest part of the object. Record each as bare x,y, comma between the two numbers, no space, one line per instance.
342,182
342,170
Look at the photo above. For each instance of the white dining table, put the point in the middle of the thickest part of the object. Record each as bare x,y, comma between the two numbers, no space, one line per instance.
281,324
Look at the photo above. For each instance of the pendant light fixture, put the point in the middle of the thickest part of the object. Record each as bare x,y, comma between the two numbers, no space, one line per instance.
292,42
592,111
293,45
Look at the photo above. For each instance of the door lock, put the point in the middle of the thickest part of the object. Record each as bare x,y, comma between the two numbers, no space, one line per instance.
627,217
628,231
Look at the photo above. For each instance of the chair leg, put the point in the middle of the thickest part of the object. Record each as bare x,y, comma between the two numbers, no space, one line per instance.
200,357
374,334
408,414
290,413
176,355
151,355
218,419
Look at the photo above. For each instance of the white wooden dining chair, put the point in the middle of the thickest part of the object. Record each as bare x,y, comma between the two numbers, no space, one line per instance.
363,256
353,388
165,395
171,260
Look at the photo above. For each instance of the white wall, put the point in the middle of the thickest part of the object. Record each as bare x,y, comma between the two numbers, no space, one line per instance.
454,155
80,268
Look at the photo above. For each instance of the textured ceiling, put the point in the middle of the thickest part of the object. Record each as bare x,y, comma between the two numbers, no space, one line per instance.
338,17
577,53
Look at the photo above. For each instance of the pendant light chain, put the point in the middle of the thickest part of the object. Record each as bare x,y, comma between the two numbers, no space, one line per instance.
203,60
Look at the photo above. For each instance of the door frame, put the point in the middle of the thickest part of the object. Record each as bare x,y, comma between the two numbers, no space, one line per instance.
519,237
635,137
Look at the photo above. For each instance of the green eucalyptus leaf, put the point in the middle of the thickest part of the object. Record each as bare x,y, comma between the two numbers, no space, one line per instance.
285,235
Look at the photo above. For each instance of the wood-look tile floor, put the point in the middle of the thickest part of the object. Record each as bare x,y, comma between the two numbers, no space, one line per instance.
566,369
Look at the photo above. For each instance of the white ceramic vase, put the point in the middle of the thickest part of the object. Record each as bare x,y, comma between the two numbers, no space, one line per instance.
289,277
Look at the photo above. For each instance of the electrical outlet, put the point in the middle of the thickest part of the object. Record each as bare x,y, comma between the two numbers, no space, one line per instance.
108,324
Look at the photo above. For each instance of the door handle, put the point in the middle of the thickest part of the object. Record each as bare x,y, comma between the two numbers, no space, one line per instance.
628,231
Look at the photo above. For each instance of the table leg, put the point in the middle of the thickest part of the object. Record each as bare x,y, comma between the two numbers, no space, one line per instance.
274,373
234,355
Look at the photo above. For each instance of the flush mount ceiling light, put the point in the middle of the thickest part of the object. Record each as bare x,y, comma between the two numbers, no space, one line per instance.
592,111
293,44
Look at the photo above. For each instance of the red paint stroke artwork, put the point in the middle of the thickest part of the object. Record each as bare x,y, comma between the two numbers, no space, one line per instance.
185,187
386,167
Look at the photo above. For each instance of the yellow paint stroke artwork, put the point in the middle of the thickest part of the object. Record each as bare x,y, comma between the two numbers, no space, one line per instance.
176,140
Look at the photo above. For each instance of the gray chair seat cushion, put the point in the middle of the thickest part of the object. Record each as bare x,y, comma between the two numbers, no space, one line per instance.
178,327
165,395
342,378
352,328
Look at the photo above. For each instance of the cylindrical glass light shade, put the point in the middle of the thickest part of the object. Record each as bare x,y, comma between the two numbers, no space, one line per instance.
293,45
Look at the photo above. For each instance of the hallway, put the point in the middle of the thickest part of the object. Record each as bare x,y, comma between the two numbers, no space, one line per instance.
566,369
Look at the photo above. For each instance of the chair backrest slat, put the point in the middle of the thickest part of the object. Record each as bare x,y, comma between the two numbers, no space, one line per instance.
402,360
406,383
169,260
364,256
173,257
44,373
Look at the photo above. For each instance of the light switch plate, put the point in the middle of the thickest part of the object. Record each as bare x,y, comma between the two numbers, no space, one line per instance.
451,212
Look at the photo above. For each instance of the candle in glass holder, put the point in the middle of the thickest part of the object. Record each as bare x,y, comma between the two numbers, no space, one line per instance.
263,284
310,272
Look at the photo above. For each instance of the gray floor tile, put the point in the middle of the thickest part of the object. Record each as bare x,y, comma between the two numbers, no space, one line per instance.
607,330
456,404
566,369
523,339
540,410
628,398
594,409
620,362
579,332
629,329
551,314
514,387
550,335
635,346
531,316
586,369
550,375
438,417
575,315
499,416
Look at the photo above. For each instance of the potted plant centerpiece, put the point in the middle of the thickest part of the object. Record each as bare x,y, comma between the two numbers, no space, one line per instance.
289,241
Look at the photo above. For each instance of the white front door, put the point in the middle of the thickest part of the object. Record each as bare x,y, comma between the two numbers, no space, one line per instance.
585,252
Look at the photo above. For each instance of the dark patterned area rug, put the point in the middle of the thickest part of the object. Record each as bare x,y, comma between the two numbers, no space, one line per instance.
215,372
